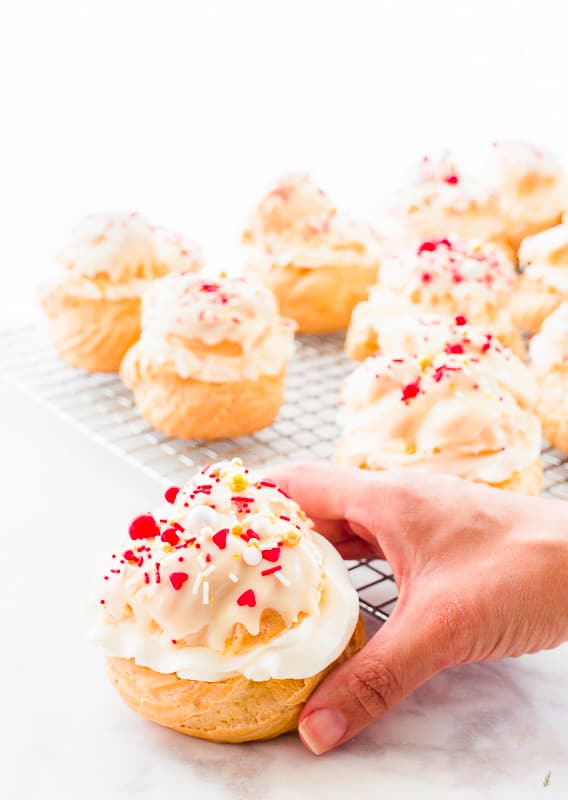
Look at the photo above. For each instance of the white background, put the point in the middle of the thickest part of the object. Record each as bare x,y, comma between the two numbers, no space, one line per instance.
186,110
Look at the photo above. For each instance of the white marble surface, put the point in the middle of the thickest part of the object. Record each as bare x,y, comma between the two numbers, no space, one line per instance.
491,731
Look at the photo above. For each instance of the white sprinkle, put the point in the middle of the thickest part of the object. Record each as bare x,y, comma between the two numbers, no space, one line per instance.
201,560
206,593
282,578
197,583
211,568
252,556
233,577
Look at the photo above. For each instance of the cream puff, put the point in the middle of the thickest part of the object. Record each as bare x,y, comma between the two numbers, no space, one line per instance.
448,398
93,306
549,357
531,187
221,612
211,359
318,261
440,200
543,286
447,276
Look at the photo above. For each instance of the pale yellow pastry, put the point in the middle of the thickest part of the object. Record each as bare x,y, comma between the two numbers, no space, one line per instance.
446,397
531,187
549,357
93,306
441,199
318,261
212,357
224,610
544,283
446,276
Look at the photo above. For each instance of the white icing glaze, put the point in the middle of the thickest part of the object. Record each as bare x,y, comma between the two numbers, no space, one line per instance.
186,629
181,309
461,403
545,257
176,253
549,348
295,225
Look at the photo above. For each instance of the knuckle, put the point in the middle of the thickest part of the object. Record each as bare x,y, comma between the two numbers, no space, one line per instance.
375,688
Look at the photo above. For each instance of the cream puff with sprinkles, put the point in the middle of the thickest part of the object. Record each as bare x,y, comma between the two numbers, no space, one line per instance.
549,359
446,398
93,306
221,612
444,276
318,261
212,357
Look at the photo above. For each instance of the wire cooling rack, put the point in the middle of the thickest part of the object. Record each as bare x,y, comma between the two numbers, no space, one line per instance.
102,408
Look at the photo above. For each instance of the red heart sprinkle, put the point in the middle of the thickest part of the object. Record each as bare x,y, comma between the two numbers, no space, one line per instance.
143,527
220,538
460,319
177,579
452,179
410,390
170,537
271,554
171,494
247,599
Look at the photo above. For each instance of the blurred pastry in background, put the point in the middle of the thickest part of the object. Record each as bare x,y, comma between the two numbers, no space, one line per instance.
445,276
318,261
531,187
446,397
93,306
440,199
543,286
212,357
549,358
224,610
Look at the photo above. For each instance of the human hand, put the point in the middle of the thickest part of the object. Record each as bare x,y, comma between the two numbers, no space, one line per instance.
482,574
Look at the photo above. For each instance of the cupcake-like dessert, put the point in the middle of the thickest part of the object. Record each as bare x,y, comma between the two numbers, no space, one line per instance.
531,187
543,286
93,306
211,359
441,199
549,357
222,612
318,261
445,276
444,398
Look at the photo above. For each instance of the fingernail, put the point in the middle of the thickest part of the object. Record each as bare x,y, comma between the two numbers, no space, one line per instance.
323,729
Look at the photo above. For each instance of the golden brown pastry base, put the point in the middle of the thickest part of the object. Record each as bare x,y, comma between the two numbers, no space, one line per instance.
552,407
527,481
320,300
91,334
532,302
517,231
192,409
234,710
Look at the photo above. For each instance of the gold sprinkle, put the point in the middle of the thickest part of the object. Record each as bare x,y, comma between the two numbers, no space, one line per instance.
292,537
426,362
238,483
236,556
436,450
167,548
410,449
237,462
236,530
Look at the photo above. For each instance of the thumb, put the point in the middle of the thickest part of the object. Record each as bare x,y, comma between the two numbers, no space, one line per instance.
403,654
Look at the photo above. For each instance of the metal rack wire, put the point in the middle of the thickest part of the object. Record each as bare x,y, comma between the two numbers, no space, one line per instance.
103,409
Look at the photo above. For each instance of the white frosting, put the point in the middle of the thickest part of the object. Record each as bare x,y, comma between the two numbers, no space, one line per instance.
450,274
114,247
545,257
185,317
461,403
184,624
176,253
549,348
529,181
295,225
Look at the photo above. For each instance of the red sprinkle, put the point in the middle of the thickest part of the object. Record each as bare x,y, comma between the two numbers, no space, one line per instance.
411,390
268,483
170,537
271,570
209,287
451,179
132,558
143,527
249,534
459,319
271,554
171,494
146,578
177,579
158,577
426,277
220,538
454,348
247,598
